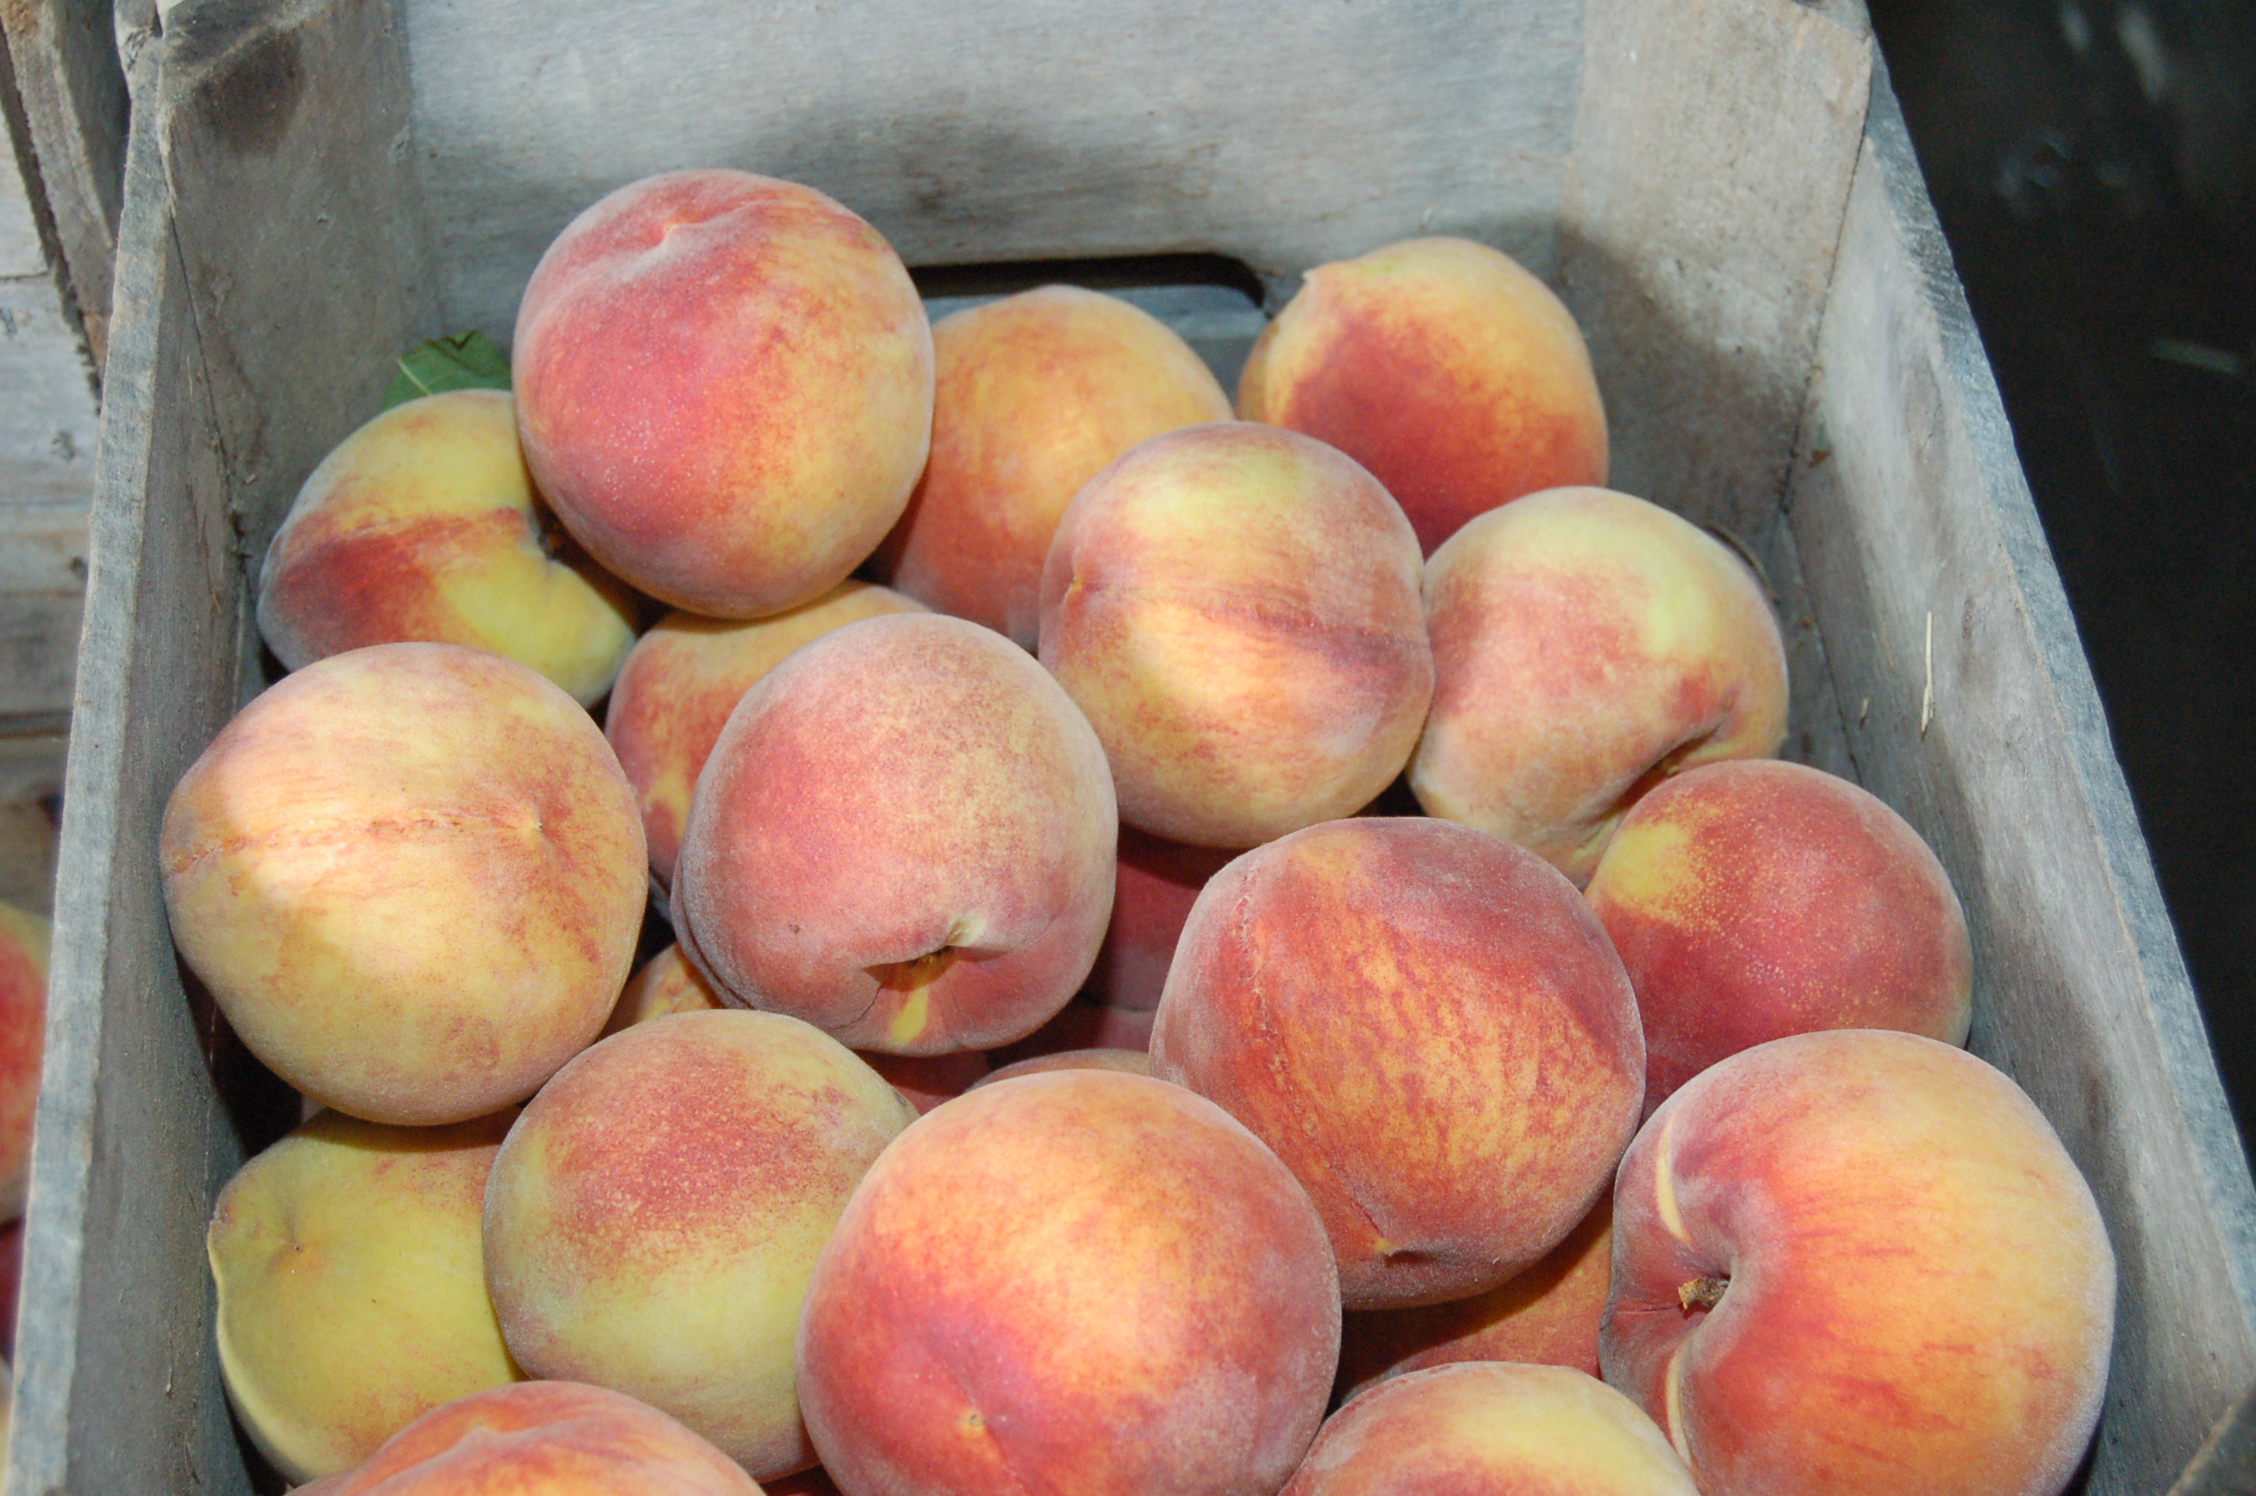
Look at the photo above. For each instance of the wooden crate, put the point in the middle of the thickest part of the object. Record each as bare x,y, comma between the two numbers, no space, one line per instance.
1722,189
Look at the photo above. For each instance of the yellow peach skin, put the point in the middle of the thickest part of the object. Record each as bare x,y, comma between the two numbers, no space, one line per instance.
1236,609
1035,394
412,876
1445,368
653,1218
683,678
352,1296
724,387
423,526
1587,645
1860,1262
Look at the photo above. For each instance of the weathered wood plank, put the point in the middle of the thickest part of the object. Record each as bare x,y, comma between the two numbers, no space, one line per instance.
1913,516
42,589
63,55
31,786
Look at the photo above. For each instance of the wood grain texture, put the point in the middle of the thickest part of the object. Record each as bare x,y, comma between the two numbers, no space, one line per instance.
63,55
1909,506
31,787
1284,136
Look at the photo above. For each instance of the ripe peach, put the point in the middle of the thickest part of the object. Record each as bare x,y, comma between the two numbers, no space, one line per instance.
724,387
1431,1029
413,878
1157,883
423,525
1859,1261
1139,1301
683,678
1587,645
1236,608
1755,899
653,1217
905,835
1445,368
1491,1426
542,1439
1546,1315
352,1297
24,951
1035,393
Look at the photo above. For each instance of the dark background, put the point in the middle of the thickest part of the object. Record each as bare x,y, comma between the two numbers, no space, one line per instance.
2092,162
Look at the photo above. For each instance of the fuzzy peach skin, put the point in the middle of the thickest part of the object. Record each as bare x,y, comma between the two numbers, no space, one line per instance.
1859,1261
1546,1315
413,877
24,949
1157,883
653,1218
905,836
1755,899
1035,393
683,678
542,1439
423,525
1127,1061
1491,1426
724,387
1430,1028
1445,368
352,1293
1236,609
1587,645
1138,1301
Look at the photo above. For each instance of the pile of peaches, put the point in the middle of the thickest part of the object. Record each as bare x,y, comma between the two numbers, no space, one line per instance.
1077,1065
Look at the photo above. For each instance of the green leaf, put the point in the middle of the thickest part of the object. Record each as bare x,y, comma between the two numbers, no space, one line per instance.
465,361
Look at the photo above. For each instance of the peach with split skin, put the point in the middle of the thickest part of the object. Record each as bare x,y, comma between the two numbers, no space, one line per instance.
683,678
1859,1261
905,835
1077,1330
25,945
652,1220
351,1290
542,1439
724,387
423,526
413,878
1587,645
1491,1426
1156,885
1236,609
1754,899
1034,394
1432,1030
1546,1314
1127,1061
1445,368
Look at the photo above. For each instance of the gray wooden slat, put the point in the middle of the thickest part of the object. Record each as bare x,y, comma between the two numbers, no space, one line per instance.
31,782
1909,506
64,58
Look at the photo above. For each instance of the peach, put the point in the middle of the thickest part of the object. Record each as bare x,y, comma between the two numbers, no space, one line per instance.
1152,894
926,1080
1127,1061
412,876
1445,368
653,1218
1236,608
1755,899
11,1284
1034,394
423,526
1138,1302
1587,645
1546,1315
683,678
24,949
352,1297
1431,1029
542,1439
1492,1426
724,387
1860,1261
905,835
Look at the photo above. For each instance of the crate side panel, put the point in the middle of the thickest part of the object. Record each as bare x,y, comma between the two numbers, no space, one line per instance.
1702,203
288,156
1034,131
72,89
1975,716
